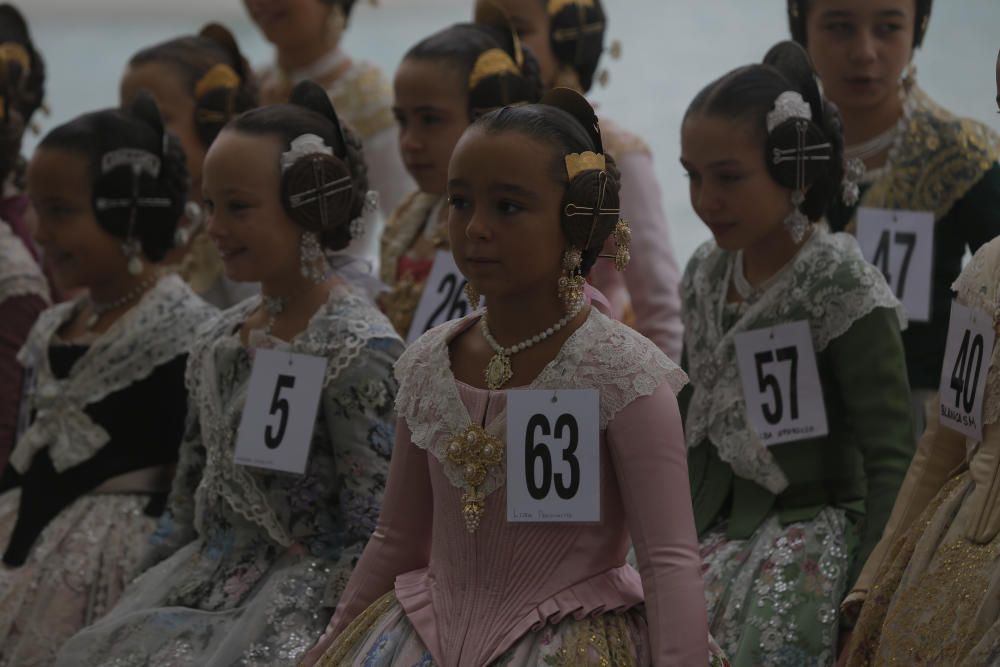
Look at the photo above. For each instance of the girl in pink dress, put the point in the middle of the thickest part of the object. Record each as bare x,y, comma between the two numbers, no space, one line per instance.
446,579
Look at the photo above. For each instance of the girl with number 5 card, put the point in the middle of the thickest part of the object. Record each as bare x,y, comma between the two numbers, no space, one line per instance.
931,586
252,560
781,526
446,578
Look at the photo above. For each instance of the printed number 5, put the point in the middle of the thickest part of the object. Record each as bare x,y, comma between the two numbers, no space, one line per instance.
767,381
273,441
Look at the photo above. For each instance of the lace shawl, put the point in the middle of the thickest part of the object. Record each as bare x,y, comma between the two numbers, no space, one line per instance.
159,328
338,331
828,284
979,287
602,354
20,274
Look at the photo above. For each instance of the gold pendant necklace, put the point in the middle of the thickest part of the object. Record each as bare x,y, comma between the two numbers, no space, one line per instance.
474,451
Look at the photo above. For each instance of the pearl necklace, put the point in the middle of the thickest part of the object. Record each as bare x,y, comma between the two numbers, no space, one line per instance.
100,309
498,371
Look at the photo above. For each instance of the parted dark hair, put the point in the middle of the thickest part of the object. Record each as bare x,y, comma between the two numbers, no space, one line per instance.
748,94
140,127
461,45
567,123
192,57
576,32
798,13
309,111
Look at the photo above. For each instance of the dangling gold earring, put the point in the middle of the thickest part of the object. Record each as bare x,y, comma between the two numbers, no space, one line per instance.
623,244
909,79
571,282
472,295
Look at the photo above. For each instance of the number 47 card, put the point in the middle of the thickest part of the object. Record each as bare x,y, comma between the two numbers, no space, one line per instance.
280,411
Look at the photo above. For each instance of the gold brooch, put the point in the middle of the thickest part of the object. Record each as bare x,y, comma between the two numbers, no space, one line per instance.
475,451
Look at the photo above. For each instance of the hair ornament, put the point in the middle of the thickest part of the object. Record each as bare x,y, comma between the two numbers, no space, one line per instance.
219,76
556,6
854,171
577,163
358,226
137,159
302,146
790,104
12,52
492,62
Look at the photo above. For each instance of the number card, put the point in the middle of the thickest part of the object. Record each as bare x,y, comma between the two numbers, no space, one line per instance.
967,356
553,456
901,245
280,411
784,398
443,299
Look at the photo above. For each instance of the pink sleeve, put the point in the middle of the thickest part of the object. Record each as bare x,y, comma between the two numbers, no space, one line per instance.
652,277
647,446
402,539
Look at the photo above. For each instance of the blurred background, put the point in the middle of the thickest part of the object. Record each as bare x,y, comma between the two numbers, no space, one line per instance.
671,48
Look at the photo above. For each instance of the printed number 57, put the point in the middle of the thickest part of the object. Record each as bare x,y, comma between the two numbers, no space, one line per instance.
766,381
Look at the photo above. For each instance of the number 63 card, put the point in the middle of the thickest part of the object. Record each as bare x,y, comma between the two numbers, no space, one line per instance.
280,411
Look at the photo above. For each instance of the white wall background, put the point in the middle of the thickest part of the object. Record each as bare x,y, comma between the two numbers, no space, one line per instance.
671,49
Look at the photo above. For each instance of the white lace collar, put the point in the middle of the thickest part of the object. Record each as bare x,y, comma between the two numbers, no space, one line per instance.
601,353
828,284
20,274
159,328
338,331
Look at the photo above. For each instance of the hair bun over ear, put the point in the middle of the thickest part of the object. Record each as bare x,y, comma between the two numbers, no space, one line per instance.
310,95
143,108
577,106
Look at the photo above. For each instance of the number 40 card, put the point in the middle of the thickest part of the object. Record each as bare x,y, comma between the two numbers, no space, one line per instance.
280,411
967,356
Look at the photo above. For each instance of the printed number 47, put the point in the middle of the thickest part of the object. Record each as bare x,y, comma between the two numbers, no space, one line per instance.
767,381
881,259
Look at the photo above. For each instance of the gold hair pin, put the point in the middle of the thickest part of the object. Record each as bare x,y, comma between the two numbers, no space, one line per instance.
492,62
219,76
556,6
577,163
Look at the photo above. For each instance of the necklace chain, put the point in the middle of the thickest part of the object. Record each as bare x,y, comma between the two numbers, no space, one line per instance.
100,309
498,371
873,146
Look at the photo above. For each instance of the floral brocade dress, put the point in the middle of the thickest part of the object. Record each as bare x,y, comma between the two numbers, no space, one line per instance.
254,561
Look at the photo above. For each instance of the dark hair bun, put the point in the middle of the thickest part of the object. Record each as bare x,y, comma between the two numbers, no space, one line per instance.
143,108
577,106
310,95
23,86
576,32
317,192
225,89
592,191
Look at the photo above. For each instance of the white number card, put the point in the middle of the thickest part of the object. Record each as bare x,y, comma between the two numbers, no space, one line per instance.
280,411
967,356
784,398
443,299
901,245
553,456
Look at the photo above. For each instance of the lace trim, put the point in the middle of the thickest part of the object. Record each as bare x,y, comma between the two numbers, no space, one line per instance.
828,284
978,286
602,353
20,274
339,331
159,328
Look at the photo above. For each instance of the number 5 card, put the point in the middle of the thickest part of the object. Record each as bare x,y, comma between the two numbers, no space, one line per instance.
280,411
784,398
553,456
967,356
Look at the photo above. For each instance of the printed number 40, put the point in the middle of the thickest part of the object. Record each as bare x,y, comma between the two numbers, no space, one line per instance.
962,382
767,381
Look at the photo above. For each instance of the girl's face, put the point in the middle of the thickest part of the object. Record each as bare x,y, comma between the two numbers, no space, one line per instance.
432,109
860,48
505,203
246,220
731,189
82,254
176,106
286,23
532,24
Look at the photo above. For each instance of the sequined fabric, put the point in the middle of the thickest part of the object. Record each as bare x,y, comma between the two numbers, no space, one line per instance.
773,599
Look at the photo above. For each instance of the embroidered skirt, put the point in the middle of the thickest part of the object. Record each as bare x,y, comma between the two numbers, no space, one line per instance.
773,599
936,598
382,636
75,572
